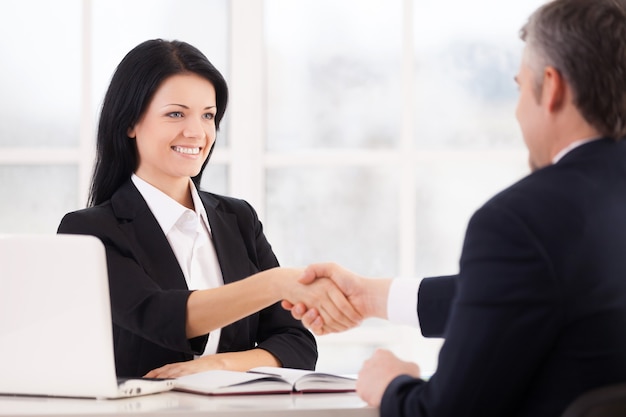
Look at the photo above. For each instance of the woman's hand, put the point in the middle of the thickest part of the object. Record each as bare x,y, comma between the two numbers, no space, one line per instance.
174,370
232,361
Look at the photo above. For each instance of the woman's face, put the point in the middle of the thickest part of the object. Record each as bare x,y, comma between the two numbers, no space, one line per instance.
175,134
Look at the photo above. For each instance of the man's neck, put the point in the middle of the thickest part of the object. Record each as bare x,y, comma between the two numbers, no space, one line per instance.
571,131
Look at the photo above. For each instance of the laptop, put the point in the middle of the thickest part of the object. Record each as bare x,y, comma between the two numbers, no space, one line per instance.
56,335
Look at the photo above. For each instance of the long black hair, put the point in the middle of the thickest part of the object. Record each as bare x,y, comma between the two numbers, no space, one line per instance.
133,85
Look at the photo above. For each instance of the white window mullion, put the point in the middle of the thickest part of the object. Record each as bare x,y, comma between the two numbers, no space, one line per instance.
87,138
407,198
246,107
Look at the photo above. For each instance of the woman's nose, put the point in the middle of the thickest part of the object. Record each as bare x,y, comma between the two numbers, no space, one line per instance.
193,129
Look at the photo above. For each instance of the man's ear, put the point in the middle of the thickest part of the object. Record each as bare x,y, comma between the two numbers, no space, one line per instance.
554,89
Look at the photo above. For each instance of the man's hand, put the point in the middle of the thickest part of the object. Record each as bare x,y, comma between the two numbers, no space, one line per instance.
378,372
367,296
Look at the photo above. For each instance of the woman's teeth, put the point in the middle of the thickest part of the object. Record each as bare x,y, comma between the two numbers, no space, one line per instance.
187,151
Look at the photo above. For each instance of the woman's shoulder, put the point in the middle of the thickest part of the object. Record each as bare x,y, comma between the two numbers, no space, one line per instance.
102,209
226,203
87,218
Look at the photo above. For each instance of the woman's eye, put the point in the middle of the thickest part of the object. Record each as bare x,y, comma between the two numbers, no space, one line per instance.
209,116
175,114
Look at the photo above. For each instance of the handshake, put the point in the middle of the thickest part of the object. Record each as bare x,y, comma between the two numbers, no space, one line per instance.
328,298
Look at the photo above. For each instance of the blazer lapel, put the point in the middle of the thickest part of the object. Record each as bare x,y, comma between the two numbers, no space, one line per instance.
229,245
146,238
232,256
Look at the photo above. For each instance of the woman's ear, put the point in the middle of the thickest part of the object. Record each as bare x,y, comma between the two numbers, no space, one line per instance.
131,132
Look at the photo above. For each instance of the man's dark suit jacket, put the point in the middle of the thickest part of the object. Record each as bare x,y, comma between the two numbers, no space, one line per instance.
149,292
539,315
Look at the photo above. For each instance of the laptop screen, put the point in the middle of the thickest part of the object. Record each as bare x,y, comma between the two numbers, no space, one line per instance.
55,319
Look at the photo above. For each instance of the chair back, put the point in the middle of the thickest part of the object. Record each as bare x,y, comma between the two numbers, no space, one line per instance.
608,401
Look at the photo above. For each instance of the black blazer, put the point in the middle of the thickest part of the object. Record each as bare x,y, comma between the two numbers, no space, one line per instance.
539,314
149,292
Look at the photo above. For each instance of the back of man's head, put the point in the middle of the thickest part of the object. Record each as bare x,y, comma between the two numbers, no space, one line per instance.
585,40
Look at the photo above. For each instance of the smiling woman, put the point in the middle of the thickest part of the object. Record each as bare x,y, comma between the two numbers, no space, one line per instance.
176,134
191,273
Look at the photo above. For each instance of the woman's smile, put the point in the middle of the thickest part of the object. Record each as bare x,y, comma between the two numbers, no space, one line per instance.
187,150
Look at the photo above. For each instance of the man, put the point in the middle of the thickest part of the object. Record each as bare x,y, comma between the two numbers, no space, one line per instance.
537,313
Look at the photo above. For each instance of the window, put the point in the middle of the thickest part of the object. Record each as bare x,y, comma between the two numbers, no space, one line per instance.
364,132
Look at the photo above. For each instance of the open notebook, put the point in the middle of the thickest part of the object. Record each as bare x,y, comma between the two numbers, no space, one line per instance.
263,380
55,320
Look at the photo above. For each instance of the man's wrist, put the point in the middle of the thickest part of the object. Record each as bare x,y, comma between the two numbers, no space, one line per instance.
376,296
402,301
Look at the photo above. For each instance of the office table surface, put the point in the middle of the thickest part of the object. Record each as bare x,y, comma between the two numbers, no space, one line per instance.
178,403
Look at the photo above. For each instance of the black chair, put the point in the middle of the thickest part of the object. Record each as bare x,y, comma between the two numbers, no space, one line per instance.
608,401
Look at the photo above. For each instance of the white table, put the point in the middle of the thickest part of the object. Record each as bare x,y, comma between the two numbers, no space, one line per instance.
184,404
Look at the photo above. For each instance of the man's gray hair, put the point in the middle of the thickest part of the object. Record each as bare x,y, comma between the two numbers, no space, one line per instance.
585,40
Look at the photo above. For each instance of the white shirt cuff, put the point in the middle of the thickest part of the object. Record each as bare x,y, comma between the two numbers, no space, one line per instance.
402,301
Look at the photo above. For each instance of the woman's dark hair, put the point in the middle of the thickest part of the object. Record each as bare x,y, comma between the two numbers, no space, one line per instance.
136,79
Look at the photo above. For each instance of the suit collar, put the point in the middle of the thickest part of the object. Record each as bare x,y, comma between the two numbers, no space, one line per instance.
127,202
571,147
146,238
165,209
588,148
227,240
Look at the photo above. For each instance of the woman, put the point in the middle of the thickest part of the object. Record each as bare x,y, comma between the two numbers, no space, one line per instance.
177,256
